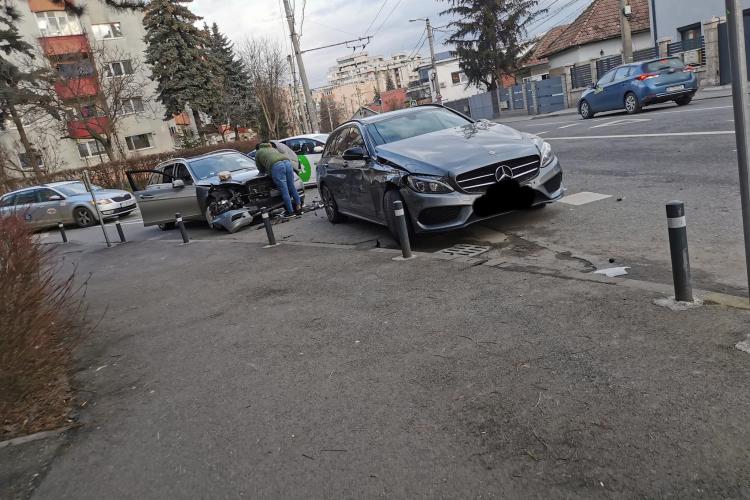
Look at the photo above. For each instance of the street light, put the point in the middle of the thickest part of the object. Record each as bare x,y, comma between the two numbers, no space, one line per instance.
438,97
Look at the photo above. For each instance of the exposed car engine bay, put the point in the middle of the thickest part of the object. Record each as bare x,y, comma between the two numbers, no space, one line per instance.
232,205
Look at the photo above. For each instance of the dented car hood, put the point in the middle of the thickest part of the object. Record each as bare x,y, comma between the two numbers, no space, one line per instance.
239,176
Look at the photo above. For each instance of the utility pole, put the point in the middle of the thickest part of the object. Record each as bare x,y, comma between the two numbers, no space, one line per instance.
296,100
738,65
627,35
438,98
309,104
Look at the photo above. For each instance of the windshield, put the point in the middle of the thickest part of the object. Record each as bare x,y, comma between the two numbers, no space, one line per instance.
211,166
663,64
420,122
75,188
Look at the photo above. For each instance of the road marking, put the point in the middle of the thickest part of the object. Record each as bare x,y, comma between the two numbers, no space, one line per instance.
583,198
624,121
568,126
635,136
545,132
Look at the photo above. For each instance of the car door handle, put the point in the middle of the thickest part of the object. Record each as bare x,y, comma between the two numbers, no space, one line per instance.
146,196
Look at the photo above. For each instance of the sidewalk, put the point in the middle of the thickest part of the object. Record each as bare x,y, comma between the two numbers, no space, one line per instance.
222,370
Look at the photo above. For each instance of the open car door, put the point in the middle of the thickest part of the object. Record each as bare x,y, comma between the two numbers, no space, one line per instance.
163,196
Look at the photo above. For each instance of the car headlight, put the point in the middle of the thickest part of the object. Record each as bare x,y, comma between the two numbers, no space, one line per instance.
104,201
547,155
428,184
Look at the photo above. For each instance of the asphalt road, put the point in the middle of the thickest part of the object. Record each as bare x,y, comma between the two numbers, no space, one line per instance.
637,163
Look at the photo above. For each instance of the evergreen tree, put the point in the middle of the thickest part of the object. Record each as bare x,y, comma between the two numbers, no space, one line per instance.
180,62
489,37
389,85
376,99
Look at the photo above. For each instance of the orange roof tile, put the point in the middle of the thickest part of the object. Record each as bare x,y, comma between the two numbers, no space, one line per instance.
543,45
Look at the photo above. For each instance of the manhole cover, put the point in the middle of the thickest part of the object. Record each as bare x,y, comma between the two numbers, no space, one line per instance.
464,250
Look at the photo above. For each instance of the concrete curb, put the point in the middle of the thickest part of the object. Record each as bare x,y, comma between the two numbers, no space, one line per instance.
34,437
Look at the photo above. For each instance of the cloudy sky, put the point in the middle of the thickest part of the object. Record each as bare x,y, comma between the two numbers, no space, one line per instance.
332,21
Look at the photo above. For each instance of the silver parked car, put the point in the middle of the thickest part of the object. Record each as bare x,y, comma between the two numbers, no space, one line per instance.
67,202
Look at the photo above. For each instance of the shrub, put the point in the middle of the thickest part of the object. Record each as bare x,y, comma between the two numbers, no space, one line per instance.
40,314
112,174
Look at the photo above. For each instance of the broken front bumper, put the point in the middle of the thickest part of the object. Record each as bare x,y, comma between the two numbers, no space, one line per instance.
234,220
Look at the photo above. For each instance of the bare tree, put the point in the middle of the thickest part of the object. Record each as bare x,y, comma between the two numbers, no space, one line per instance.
268,73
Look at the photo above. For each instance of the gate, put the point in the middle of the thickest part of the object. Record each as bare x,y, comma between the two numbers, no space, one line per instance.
461,105
504,98
517,99
550,95
530,97
481,106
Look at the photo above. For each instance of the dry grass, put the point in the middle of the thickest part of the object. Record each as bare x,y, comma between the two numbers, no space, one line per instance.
40,316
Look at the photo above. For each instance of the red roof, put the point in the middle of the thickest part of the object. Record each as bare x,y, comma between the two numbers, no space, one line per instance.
600,21
543,45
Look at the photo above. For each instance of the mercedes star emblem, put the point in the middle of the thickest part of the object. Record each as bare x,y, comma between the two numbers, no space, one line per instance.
503,172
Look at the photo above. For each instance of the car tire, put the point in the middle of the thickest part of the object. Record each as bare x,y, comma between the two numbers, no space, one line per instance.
167,226
84,217
390,217
684,101
632,104
332,210
584,109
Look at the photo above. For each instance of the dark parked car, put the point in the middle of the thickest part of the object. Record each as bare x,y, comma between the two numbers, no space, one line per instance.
436,161
632,86
224,188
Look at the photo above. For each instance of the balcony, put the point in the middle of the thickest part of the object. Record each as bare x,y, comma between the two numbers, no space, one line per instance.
81,129
61,45
77,87
45,5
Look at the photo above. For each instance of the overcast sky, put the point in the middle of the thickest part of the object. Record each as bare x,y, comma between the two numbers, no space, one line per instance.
333,21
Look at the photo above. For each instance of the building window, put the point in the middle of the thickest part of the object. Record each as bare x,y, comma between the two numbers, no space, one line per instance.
118,68
26,161
90,148
58,23
132,105
138,142
106,31
72,70
456,77
690,32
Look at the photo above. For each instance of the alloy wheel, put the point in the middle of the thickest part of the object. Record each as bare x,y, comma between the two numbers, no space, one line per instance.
83,217
585,110
630,103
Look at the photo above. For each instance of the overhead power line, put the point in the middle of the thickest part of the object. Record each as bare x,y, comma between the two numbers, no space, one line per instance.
376,16
387,17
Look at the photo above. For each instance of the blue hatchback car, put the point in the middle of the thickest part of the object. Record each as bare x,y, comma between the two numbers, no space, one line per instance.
632,86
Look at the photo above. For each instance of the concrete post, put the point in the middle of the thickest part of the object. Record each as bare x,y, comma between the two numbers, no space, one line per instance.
568,88
664,46
711,77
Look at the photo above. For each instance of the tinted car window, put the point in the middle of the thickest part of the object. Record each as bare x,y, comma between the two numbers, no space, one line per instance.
353,139
335,142
44,195
662,64
181,172
420,122
7,201
26,197
607,78
622,72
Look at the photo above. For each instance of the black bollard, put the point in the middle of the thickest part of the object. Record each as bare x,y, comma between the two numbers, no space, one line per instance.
64,236
403,232
269,228
678,247
183,231
120,232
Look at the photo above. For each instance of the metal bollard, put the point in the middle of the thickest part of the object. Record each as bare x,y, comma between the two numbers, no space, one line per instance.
403,232
678,247
64,236
183,231
269,228
120,232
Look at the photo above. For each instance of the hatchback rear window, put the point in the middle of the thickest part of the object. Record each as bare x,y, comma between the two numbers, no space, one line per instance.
662,64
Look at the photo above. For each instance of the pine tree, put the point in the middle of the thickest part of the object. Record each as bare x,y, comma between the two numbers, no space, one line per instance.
489,37
17,87
389,85
179,59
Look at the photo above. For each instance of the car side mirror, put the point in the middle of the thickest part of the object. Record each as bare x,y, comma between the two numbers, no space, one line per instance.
178,183
55,197
318,149
355,154
591,86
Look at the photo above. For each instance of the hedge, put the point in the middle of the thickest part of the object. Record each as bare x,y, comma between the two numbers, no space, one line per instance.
112,174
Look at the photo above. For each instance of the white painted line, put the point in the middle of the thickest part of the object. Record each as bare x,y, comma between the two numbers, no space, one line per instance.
635,136
583,198
545,132
571,125
624,121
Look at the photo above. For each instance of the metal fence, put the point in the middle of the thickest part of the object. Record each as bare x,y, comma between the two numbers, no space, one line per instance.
693,44
606,64
580,76
646,54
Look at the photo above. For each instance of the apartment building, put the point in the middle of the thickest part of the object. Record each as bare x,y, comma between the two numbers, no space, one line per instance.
99,58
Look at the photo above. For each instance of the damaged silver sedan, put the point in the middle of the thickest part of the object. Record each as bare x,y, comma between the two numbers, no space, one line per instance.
223,188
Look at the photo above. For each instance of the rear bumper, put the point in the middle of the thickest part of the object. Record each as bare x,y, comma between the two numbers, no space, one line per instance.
665,97
445,212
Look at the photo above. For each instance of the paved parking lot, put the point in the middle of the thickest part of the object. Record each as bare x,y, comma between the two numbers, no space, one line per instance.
627,167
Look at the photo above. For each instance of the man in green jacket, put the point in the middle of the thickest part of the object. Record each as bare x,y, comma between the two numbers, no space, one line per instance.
279,166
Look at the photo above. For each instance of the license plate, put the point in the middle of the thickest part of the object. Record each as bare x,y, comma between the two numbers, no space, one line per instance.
676,88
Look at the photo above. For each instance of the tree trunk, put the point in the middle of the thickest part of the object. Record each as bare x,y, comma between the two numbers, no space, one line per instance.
199,126
31,155
236,133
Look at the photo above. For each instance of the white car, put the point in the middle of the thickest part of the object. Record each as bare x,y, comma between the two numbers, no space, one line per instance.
308,148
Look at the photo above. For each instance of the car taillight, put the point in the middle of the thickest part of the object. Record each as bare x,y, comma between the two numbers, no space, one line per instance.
688,69
647,76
